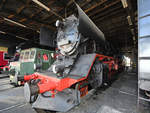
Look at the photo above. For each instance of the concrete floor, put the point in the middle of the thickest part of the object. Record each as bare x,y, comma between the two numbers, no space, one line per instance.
120,97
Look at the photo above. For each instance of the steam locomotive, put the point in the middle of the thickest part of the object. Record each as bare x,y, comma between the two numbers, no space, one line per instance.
84,63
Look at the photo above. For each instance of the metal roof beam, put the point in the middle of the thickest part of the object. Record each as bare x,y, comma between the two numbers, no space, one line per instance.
106,13
20,9
94,6
49,4
106,6
110,15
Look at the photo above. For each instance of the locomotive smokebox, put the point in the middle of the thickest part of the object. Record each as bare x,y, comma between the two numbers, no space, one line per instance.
72,30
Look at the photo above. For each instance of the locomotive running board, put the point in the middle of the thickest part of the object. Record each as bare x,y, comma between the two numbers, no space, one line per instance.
63,101
82,66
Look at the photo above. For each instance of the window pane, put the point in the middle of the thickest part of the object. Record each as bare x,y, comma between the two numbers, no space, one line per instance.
32,54
45,57
21,56
26,55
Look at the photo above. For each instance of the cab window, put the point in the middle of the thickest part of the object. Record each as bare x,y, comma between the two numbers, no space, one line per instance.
39,55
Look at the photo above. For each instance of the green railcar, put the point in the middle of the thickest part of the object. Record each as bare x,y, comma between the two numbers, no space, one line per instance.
30,61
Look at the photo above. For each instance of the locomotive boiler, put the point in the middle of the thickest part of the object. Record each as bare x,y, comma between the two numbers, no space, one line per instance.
83,63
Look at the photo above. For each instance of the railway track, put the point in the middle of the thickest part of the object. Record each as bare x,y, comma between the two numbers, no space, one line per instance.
12,107
1,77
4,76
5,87
11,98
4,84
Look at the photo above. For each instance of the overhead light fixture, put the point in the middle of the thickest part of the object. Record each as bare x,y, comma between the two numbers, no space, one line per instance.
22,38
124,3
2,32
129,20
38,31
11,21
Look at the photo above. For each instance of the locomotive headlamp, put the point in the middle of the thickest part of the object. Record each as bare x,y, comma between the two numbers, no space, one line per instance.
57,23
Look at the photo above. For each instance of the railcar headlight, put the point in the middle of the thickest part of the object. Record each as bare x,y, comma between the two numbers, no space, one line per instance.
52,55
34,66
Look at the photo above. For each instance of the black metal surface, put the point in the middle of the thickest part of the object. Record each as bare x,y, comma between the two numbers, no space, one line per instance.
88,28
12,50
82,66
47,37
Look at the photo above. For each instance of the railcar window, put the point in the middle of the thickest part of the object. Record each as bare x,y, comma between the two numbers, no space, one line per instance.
45,57
26,55
39,55
32,54
21,56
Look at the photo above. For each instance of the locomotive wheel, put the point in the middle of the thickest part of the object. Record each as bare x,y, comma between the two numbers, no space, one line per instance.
43,111
96,75
106,80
